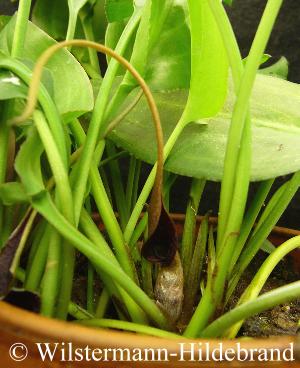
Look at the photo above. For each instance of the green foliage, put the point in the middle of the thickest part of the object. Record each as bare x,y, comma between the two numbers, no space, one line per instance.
11,86
28,164
161,24
12,193
209,65
275,129
72,89
221,117
279,69
117,10
52,17
228,2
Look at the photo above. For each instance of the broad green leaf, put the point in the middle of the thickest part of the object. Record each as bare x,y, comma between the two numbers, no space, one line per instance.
28,166
200,149
169,61
52,17
209,64
72,90
117,10
154,15
12,193
11,86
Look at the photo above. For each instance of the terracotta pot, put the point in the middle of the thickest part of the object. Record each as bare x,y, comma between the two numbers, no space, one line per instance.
19,326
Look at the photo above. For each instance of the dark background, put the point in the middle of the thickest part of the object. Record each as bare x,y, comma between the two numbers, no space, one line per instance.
285,40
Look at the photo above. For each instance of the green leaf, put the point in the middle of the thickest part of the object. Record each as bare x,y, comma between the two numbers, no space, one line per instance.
265,58
209,68
72,90
150,28
11,86
162,46
279,69
117,10
200,149
12,193
169,61
28,166
52,17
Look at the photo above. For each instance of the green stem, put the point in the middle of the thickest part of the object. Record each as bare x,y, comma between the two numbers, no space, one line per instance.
78,312
228,205
25,234
86,21
139,230
130,182
102,304
71,25
37,236
192,281
264,230
65,200
86,158
111,225
138,208
262,275
104,207
250,219
275,199
20,28
240,109
58,168
46,208
51,276
4,144
188,237
128,326
135,186
117,184
92,232
35,272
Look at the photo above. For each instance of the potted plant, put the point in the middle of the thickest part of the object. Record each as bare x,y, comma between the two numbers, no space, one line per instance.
66,128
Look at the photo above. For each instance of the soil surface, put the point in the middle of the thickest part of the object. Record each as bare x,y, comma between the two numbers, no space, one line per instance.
281,320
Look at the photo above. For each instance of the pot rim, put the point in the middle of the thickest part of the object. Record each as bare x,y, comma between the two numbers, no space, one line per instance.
35,327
